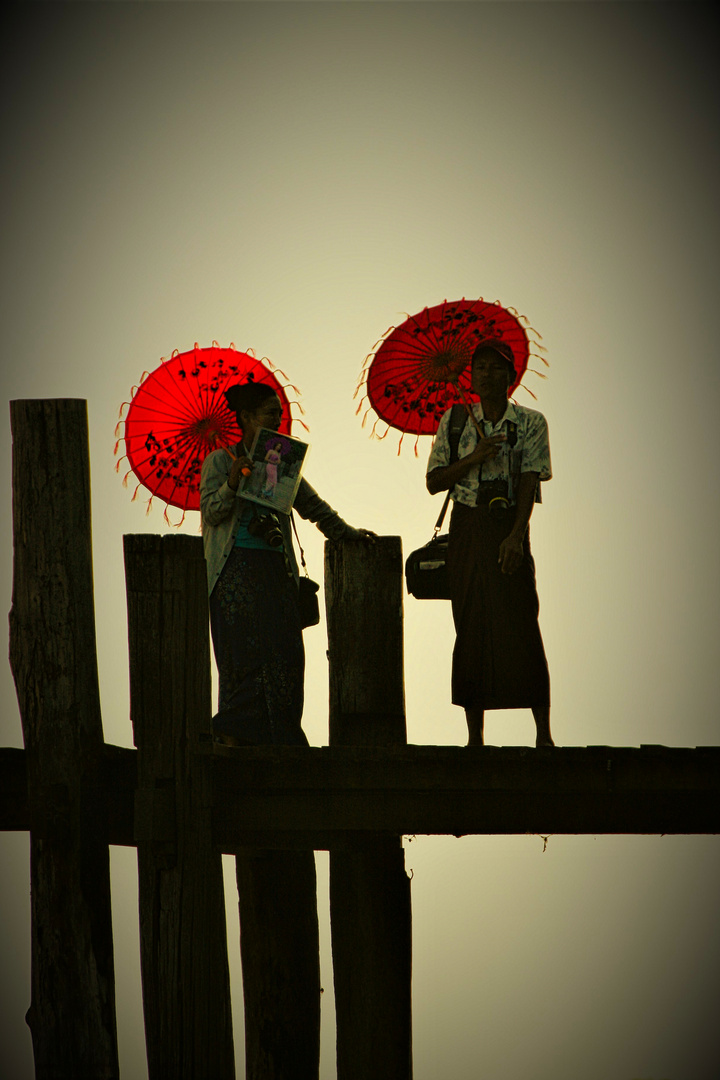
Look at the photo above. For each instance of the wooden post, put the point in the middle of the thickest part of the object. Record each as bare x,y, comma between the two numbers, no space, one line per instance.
280,964
363,599
183,946
370,907
54,664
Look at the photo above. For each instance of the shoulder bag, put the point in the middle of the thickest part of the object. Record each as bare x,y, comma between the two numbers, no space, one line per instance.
307,590
425,569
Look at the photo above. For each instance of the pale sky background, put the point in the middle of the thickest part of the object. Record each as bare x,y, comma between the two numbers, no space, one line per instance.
293,177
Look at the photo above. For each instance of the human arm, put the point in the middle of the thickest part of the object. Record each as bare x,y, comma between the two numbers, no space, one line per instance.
310,506
445,477
535,466
511,549
219,481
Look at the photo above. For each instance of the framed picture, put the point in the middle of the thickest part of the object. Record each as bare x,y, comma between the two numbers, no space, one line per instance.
277,465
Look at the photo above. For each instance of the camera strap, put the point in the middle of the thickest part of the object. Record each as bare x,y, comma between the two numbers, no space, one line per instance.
302,553
511,436
458,419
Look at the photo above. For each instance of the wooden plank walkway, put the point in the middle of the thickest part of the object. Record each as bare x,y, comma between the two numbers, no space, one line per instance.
324,797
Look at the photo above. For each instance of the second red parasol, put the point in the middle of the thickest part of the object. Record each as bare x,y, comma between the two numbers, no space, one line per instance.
422,367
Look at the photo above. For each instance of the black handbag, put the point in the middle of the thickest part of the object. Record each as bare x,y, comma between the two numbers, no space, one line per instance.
309,605
307,591
426,568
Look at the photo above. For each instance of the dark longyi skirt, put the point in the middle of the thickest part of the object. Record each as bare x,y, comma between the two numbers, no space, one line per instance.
499,659
257,638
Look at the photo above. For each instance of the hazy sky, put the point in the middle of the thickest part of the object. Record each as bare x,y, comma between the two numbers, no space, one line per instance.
293,178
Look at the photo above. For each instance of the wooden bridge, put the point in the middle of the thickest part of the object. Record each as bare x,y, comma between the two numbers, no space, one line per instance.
182,800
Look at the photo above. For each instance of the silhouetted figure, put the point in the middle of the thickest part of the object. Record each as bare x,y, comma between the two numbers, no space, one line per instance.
499,660
253,586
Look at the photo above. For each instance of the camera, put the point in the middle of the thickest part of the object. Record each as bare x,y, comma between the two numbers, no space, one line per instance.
494,495
266,527
498,506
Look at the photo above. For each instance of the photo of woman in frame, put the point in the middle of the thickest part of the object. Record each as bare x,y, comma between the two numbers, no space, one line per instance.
277,465
273,458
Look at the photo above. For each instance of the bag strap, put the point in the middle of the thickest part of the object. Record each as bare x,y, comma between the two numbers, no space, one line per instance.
458,419
302,553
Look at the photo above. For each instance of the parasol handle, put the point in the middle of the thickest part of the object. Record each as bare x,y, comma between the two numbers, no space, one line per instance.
245,471
468,409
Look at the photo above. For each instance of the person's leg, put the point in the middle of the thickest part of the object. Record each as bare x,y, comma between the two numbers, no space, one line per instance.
542,725
475,716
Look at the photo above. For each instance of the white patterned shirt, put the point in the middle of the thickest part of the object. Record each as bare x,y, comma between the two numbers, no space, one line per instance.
531,452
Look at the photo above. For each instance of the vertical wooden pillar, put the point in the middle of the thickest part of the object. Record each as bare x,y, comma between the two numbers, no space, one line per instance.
370,907
53,659
183,946
363,599
280,964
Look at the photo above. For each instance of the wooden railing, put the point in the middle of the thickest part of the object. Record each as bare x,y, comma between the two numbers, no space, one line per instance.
182,800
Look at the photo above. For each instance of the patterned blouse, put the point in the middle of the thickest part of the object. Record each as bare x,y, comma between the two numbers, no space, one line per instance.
531,452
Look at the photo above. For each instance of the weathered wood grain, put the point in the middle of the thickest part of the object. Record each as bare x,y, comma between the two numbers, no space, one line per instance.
370,906
183,946
324,797
280,964
181,800
325,792
364,604
54,664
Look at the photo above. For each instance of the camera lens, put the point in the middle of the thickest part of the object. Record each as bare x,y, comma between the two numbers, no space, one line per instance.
498,506
266,527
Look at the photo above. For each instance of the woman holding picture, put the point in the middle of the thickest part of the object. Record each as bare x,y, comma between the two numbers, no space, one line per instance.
253,586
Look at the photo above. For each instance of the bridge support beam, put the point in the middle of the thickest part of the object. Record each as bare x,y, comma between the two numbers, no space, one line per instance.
370,906
54,663
183,937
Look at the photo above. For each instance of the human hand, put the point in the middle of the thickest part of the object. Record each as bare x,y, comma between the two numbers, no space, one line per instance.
241,466
360,534
510,555
486,449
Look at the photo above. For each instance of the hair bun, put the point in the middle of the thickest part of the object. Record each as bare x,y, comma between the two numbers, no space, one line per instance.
231,396
247,397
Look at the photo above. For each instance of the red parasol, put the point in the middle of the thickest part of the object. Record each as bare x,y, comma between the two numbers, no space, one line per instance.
422,367
274,441
178,414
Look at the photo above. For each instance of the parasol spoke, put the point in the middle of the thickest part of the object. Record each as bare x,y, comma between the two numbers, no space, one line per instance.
157,466
189,379
171,401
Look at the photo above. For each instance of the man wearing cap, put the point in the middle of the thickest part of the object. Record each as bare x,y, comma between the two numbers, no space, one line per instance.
499,659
